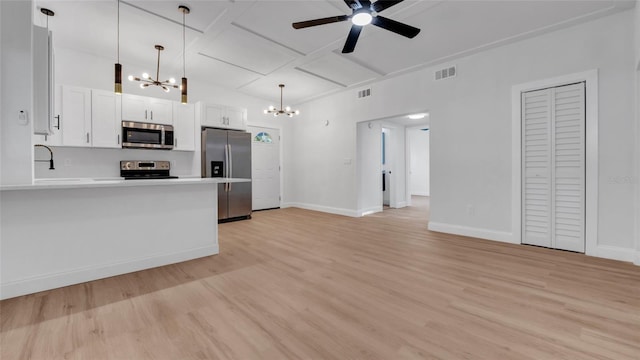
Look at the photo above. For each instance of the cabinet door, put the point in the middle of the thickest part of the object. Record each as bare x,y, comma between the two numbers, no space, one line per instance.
184,126
236,118
105,119
213,115
160,111
55,138
134,108
75,120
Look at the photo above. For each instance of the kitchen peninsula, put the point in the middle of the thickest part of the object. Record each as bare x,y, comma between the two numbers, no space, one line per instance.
59,232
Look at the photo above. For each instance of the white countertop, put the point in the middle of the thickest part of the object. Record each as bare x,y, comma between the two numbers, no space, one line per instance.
77,183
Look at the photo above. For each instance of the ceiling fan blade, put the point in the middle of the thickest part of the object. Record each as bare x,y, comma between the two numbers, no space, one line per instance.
384,4
396,27
316,22
352,39
353,4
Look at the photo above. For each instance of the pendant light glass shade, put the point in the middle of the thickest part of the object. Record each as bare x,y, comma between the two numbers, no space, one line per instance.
183,89
117,83
118,80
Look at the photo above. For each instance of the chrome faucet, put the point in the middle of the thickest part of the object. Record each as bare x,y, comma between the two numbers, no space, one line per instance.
50,152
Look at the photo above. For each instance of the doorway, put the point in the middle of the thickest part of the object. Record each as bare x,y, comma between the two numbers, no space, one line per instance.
265,167
383,163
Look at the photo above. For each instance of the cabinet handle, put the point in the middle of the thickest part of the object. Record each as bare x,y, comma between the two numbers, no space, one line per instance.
57,126
87,138
175,143
151,114
145,114
118,139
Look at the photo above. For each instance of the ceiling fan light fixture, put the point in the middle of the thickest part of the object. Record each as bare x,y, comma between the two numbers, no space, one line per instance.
362,18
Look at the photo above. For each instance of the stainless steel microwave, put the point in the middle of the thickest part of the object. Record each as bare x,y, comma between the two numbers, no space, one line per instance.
147,136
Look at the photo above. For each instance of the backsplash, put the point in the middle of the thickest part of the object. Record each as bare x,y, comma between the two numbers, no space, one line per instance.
71,162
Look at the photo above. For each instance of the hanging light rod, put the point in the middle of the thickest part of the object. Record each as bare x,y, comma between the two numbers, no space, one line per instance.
147,80
286,111
183,83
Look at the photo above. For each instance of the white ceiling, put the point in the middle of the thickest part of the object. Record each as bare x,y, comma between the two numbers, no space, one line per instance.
250,45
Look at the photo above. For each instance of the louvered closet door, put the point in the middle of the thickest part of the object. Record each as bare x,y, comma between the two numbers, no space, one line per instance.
553,167
536,168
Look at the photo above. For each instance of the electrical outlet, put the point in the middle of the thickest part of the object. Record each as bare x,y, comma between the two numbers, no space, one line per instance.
67,162
174,163
347,161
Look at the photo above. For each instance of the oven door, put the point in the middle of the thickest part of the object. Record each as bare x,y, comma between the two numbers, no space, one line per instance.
144,135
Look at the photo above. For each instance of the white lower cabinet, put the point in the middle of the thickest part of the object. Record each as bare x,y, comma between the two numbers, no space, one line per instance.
184,127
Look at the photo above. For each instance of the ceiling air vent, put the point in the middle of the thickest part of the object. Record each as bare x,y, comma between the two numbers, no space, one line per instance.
364,93
446,73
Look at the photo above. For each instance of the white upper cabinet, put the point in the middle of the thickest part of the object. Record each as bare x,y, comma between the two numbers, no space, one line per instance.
146,109
105,119
221,116
236,118
55,138
184,126
43,81
212,115
75,119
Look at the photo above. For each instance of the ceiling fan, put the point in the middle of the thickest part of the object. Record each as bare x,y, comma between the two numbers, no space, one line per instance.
364,12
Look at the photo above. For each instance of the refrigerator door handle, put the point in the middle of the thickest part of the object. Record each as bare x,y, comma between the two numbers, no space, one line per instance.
230,162
226,162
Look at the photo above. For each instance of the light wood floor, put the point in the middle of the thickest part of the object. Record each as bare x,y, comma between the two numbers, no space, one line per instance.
296,284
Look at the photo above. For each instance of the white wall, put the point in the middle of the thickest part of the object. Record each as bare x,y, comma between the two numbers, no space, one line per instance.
471,128
86,70
418,144
16,151
369,167
637,179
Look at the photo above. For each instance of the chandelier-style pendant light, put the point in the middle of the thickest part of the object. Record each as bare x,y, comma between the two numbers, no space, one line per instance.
147,80
286,111
183,87
118,73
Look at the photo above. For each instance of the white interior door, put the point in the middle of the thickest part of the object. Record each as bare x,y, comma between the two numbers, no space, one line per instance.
553,167
265,163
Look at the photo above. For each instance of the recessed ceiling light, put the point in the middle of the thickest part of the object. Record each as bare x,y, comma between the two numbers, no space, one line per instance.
417,116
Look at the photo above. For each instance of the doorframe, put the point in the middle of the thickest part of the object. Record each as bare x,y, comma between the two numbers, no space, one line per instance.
590,78
280,153
408,157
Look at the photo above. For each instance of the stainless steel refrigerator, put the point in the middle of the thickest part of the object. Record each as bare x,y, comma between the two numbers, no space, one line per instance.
227,154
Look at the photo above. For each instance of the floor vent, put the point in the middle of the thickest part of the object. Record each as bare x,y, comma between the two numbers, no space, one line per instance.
446,73
364,93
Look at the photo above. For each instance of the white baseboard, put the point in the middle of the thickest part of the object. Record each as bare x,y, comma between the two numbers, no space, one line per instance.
370,210
401,204
76,276
615,253
420,193
326,209
473,232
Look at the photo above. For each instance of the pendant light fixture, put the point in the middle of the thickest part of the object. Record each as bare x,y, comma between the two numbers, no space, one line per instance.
118,68
286,111
183,87
147,80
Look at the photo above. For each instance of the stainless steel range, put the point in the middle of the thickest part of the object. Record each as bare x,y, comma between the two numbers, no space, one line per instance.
145,169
